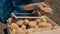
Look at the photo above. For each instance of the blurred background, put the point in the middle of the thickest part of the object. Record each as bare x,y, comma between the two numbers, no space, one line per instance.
55,5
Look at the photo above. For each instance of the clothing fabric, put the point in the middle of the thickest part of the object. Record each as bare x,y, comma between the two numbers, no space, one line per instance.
3,28
8,6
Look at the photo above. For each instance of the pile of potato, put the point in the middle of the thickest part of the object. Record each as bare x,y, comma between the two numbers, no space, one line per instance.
26,26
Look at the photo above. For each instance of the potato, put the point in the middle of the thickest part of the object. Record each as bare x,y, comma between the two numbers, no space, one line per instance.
13,26
55,27
26,21
47,25
37,27
42,24
10,20
31,30
38,20
26,31
23,27
44,19
20,22
45,29
32,24
20,31
13,31
37,30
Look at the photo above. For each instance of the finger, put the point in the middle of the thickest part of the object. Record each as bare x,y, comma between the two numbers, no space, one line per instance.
43,4
47,10
43,13
39,13
44,9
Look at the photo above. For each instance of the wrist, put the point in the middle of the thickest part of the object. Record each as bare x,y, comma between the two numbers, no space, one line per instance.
29,7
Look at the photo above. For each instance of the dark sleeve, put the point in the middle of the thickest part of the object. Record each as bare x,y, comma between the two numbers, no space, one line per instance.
33,1
6,9
36,1
18,4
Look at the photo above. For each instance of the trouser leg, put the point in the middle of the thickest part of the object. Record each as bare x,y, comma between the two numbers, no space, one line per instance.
3,28
5,31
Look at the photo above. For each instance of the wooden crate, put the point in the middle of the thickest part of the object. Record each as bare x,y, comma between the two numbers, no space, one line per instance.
55,31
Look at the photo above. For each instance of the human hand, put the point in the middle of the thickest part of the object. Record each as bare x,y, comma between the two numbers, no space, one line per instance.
44,8
41,7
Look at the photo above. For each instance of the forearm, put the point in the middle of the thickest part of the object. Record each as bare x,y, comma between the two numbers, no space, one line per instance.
29,7
40,6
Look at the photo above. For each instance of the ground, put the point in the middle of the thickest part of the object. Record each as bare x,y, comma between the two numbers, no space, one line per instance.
55,5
